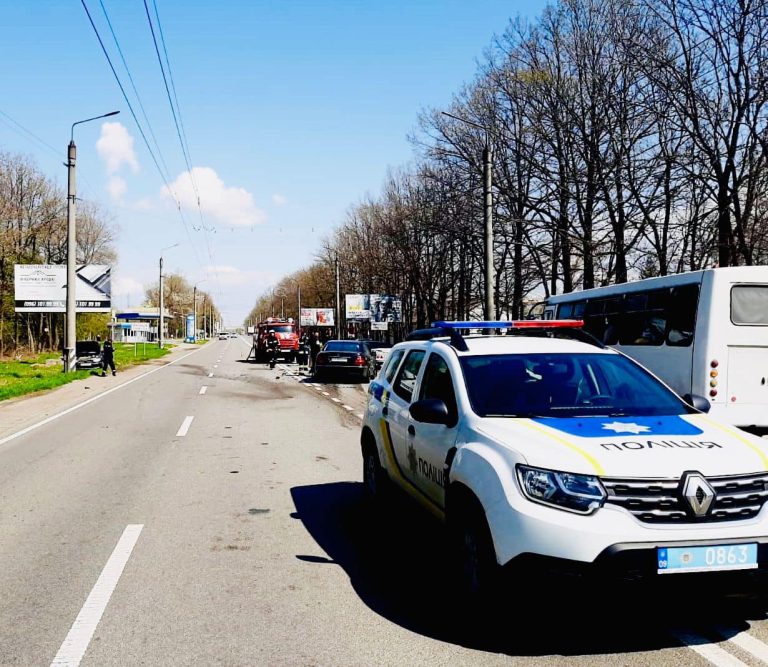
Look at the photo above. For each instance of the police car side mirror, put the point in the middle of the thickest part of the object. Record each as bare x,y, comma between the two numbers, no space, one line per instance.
430,411
698,402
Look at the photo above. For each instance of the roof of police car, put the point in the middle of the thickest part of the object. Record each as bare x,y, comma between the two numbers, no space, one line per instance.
517,344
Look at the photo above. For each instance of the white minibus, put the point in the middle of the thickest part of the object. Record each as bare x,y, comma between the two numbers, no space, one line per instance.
702,332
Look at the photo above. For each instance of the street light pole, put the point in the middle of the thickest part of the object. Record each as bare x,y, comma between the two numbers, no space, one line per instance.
160,318
489,308
70,359
338,303
490,313
194,306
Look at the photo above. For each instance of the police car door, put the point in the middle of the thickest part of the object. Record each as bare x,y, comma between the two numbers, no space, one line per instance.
432,442
399,418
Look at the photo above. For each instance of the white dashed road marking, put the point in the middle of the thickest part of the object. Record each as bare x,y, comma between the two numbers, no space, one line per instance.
346,407
714,654
359,415
335,400
325,393
210,375
203,389
76,642
184,427
748,643
215,365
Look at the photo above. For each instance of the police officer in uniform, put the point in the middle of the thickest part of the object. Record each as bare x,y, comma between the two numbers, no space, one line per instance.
107,358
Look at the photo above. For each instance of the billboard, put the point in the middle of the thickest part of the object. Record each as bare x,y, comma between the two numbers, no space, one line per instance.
358,306
374,307
316,317
42,288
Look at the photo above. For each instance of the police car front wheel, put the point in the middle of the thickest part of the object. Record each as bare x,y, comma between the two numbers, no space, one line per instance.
478,569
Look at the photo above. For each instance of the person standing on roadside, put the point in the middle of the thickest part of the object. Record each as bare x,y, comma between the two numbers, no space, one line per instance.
107,358
315,345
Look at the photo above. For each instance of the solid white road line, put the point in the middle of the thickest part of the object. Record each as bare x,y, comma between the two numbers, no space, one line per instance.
47,420
210,375
716,655
203,389
184,427
747,643
76,642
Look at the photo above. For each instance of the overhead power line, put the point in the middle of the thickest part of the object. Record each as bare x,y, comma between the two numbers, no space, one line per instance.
141,130
19,127
177,120
135,90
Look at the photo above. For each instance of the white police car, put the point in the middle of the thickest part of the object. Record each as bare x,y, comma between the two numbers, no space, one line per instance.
548,445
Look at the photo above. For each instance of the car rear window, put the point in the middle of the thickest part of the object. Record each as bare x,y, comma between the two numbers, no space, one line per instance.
343,346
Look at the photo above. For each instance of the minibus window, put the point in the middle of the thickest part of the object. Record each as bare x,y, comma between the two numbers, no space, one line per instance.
681,314
749,304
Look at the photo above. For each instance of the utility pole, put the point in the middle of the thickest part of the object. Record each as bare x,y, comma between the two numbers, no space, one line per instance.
338,302
70,360
160,312
298,305
489,308
70,357
490,311
194,310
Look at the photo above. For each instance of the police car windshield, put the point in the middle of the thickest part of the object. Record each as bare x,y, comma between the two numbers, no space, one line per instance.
564,385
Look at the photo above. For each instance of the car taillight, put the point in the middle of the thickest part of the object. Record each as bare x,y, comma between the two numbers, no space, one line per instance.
359,361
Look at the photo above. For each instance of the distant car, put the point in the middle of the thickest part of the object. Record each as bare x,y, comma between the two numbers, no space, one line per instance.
345,357
223,335
88,353
380,350
232,334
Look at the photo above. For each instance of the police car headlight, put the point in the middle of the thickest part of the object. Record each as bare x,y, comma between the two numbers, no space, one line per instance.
575,493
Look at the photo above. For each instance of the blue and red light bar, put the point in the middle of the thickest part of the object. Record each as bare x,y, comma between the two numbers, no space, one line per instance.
510,324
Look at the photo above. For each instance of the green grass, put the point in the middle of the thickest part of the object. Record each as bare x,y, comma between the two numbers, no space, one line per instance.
30,375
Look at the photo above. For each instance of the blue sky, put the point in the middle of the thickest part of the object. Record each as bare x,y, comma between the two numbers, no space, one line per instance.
292,111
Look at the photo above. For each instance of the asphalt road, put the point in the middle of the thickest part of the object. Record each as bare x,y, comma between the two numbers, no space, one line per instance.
167,524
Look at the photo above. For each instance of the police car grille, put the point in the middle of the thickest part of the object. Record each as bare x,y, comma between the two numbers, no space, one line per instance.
660,501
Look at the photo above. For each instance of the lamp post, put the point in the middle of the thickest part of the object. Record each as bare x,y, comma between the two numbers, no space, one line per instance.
194,305
160,320
70,359
489,309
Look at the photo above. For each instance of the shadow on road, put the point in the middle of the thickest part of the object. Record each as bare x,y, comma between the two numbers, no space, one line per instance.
398,563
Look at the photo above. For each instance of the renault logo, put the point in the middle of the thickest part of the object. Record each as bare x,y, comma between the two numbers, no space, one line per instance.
697,493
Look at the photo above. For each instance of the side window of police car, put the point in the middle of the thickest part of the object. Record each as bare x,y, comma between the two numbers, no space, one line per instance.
437,383
392,363
405,382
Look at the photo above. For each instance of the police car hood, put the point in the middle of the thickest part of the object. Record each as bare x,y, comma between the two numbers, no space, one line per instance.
662,446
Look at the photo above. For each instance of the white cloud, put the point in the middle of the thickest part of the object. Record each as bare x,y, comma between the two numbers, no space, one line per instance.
144,204
279,200
124,286
115,147
231,276
117,187
225,205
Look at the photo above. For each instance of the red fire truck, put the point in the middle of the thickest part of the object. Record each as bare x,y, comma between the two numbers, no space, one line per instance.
286,333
